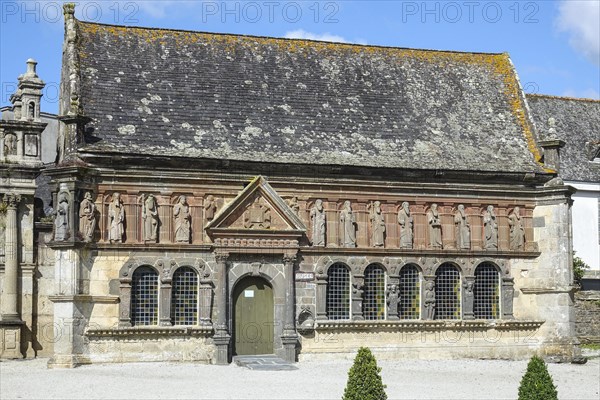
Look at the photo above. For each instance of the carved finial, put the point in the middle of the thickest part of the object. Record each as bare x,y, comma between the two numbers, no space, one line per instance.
69,9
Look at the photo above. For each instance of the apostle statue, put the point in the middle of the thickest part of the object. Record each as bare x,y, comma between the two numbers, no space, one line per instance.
87,218
181,213
490,229
392,301
462,229
150,218
435,227
406,226
116,216
377,225
517,231
429,300
61,221
318,218
293,205
347,226
210,207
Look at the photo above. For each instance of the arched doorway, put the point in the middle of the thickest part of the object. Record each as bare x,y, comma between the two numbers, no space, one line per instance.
253,317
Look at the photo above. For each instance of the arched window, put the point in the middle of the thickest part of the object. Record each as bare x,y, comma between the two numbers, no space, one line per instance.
144,297
409,299
184,297
373,304
338,292
447,292
486,292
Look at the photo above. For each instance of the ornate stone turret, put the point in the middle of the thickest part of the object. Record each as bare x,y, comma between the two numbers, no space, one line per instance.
20,163
552,146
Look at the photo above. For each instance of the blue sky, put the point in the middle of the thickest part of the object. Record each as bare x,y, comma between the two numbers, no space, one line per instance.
555,45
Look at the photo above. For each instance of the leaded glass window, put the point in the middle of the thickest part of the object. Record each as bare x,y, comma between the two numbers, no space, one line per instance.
486,292
447,292
409,301
144,297
374,293
338,292
184,297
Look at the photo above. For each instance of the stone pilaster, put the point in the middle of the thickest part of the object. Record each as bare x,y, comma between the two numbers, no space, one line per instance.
468,297
508,292
289,337
206,294
166,287
358,285
222,337
321,300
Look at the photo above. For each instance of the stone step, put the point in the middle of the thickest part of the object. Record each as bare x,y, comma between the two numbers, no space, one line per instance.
264,362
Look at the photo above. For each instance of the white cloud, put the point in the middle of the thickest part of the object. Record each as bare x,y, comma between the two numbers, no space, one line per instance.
158,9
581,19
583,94
326,37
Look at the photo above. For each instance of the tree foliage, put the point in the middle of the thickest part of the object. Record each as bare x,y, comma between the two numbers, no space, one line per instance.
364,381
537,383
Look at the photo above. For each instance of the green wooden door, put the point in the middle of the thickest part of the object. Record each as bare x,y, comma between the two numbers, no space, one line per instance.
253,317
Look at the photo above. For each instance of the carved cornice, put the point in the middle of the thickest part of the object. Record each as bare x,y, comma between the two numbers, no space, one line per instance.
569,289
84,298
150,331
421,325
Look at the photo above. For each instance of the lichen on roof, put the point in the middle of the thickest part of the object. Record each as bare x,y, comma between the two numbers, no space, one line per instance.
290,100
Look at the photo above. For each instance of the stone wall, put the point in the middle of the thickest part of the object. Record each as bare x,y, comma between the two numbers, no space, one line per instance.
587,315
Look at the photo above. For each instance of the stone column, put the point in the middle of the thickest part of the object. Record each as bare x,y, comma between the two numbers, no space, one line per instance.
11,259
468,296
125,304
10,321
222,336
428,299
289,337
321,300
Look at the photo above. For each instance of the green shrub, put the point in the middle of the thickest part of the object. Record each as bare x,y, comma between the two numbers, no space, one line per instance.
579,267
364,381
537,383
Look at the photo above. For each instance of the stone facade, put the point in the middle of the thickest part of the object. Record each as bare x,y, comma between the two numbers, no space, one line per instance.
436,251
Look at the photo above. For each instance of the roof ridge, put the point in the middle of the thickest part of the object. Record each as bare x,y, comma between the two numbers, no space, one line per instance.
366,46
566,98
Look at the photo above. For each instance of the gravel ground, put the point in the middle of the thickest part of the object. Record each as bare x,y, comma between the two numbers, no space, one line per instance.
406,379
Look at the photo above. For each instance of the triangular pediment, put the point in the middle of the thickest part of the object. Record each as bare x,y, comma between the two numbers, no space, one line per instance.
257,208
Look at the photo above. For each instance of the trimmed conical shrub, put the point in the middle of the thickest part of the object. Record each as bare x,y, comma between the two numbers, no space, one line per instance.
537,383
364,381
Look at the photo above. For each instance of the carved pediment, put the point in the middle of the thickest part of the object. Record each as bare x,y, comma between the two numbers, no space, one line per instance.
257,210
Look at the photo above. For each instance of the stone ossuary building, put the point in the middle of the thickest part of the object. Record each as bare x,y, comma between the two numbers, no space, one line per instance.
217,195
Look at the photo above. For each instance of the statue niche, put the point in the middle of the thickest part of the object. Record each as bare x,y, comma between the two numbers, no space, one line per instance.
258,215
490,229
182,216
462,229
61,222
517,231
319,219
116,217
406,226
377,225
347,226
435,227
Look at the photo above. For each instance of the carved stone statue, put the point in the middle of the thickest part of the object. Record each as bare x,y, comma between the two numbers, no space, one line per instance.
462,229
406,226
429,300
293,205
150,218
468,298
10,145
392,300
517,231
318,217
258,215
377,225
87,218
181,213
435,227
490,229
61,221
347,226
116,216
210,207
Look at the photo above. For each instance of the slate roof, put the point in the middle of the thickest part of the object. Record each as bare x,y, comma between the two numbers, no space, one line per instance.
578,124
217,96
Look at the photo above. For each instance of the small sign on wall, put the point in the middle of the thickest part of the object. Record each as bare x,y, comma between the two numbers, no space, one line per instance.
248,293
305,276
